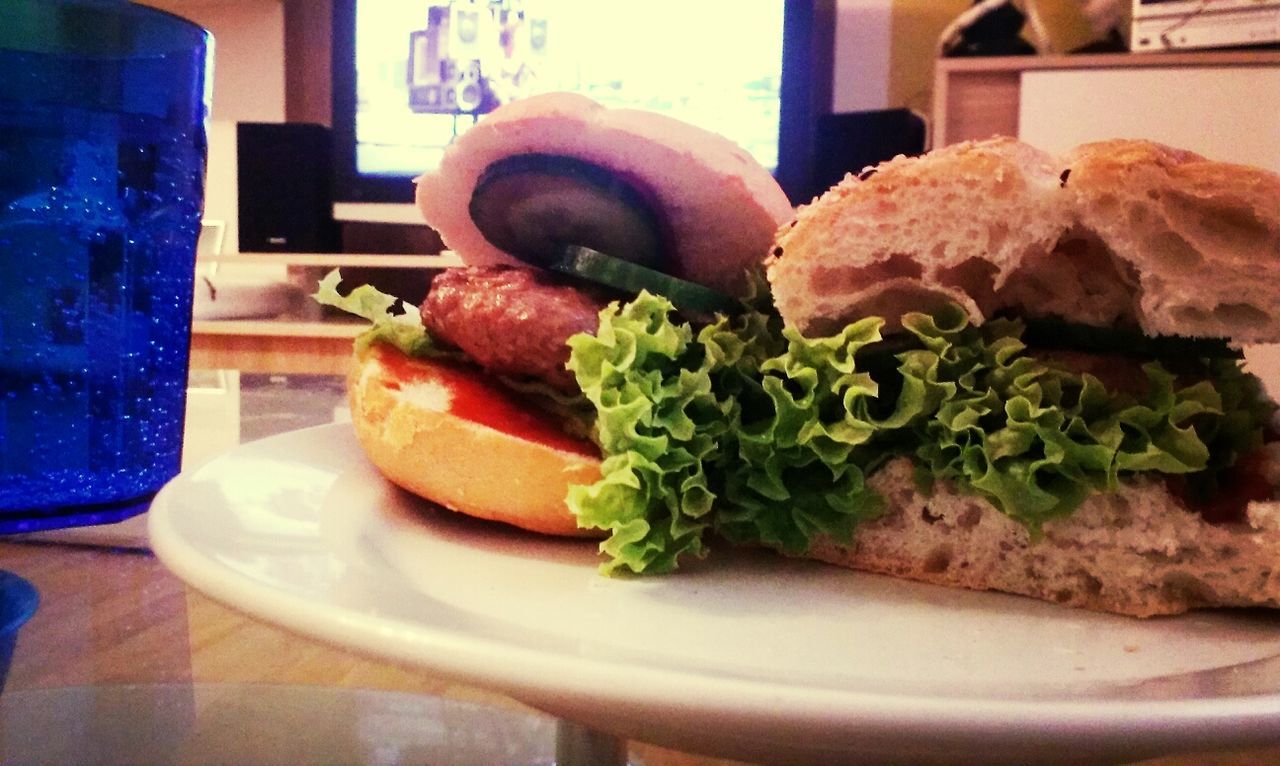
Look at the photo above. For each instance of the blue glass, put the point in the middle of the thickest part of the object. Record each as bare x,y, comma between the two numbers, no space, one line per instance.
103,105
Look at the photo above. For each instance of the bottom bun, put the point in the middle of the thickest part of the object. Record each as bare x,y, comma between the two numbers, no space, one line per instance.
464,443
1137,551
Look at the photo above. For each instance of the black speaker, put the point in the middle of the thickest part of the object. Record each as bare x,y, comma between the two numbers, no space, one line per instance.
850,142
284,181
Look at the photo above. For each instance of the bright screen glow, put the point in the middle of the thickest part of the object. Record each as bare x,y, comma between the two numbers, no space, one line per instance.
426,71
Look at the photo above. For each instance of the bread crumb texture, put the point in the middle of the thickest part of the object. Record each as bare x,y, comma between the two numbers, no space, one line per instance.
1135,551
1124,231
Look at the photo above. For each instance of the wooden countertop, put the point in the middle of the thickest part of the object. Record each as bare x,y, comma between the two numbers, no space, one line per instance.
119,635
116,618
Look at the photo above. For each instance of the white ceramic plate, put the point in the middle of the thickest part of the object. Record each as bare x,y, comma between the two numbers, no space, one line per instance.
744,655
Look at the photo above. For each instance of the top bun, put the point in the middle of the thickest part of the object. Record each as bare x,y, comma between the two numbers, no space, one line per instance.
912,233
1202,237
1120,232
721,205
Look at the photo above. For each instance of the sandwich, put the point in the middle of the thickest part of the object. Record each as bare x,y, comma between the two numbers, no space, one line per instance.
985,367
1100,444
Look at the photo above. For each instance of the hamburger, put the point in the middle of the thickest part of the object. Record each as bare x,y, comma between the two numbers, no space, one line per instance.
532,198
985,367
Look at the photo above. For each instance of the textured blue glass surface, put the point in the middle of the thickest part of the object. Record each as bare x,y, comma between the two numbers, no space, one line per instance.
102,157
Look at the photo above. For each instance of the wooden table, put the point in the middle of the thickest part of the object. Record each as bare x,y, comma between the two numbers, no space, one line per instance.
116,621
168,675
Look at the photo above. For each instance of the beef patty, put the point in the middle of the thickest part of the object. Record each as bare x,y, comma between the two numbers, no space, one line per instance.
511,321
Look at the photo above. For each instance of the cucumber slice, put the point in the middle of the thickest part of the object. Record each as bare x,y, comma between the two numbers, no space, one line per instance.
533,205
595,266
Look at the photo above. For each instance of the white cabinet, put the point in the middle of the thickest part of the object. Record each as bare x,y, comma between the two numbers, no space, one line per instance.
1225,113
1223,104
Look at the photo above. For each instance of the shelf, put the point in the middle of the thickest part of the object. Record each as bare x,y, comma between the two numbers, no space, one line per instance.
274,345
354,260
292,344
281,327
287,344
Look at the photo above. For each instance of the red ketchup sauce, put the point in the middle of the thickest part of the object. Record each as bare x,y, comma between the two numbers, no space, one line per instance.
480,401
1242,483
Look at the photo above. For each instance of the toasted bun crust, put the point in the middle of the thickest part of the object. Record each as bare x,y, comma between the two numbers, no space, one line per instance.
722,206
1114,232
1137,551
1203,237
409,434
917,232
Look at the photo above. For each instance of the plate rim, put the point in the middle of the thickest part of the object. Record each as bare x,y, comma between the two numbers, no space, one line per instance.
523,670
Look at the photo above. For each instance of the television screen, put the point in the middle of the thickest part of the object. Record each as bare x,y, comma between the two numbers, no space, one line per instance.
411,75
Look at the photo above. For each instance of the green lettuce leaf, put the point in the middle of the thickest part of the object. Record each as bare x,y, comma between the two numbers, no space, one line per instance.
1037,440
741,428
793,472
763,436
658,423
392,321
1247,412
